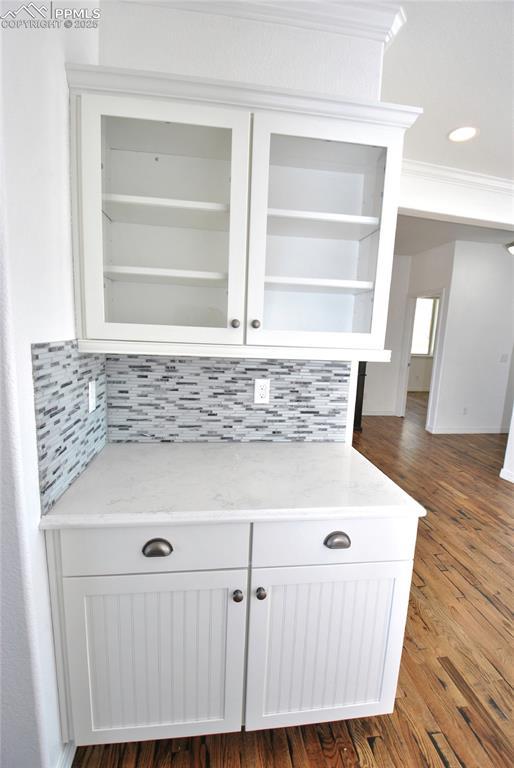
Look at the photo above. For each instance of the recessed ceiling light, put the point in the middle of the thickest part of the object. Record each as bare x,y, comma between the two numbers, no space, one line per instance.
465,133
510,248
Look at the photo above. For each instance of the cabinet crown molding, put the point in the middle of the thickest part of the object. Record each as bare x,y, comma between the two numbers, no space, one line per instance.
115,80
458,176
373,21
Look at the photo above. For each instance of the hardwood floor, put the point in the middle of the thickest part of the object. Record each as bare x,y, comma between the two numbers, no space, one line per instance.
454,697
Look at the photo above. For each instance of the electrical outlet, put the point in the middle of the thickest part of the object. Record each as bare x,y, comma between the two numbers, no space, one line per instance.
261,389
92,395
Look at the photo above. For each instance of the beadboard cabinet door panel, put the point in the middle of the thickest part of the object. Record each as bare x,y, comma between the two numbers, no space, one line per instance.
325,643
155,656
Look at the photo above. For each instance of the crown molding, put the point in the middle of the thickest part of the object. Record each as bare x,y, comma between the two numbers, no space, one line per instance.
371,20
113,80
451,194
445,174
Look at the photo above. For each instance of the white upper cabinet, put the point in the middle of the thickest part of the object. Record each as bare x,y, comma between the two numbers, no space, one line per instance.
164,208
234,222
323,215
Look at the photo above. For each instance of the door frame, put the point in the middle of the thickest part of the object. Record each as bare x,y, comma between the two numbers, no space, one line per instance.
408,327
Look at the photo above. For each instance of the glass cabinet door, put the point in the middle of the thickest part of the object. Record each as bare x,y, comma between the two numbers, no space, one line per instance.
164,200
321,232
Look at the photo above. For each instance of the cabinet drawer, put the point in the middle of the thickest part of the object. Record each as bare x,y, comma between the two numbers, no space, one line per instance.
302,542
101,551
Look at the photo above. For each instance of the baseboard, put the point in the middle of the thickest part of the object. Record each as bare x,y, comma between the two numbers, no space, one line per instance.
67,755
379,413
467,430
507,474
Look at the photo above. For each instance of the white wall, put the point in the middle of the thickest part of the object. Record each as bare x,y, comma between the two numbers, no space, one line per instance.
426,273
140,36
431,271
473,360
36,299
475,393
381,388
507,472
420,373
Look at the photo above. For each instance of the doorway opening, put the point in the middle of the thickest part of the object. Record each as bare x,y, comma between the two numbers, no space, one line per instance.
420,346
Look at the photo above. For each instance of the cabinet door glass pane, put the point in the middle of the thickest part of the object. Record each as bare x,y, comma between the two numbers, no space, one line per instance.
165,205
324,208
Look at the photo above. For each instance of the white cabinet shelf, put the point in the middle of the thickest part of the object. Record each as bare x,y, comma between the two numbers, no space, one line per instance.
354,287
157,275
336,226
165,212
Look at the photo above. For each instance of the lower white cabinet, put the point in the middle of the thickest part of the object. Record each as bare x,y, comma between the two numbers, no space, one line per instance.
324,642
178,651
155,656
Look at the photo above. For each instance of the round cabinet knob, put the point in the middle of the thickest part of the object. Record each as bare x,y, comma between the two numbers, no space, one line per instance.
255,323
157,548
261,593
237,596
338,540
235,323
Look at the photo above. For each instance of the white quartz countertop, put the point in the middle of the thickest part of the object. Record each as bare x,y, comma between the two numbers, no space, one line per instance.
142,484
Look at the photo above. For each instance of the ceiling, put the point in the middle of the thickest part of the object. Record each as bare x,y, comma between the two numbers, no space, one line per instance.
415,235
456,60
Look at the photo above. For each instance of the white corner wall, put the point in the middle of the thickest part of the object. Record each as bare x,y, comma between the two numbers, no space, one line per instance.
382,379
423,274
473,381
37,305
475,390
507,472
431,271
420,373
155,38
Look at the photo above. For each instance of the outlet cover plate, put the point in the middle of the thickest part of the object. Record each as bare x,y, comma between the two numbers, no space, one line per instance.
261,390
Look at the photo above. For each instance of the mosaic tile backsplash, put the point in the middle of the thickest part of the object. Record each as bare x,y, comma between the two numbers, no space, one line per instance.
68,437
161,399
205,399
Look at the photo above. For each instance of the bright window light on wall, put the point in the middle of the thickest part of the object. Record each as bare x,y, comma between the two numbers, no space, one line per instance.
425,324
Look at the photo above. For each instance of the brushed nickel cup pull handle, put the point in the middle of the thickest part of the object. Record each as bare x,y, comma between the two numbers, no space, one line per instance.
338,540
157,548
261,593
255,323
235,323
237,596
